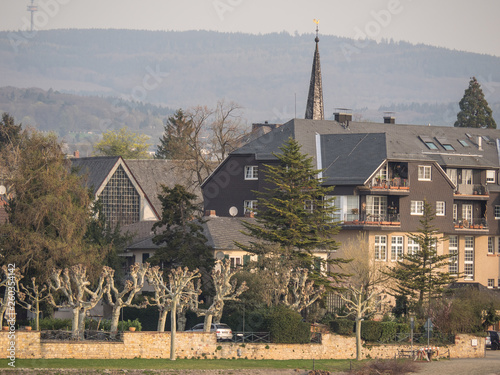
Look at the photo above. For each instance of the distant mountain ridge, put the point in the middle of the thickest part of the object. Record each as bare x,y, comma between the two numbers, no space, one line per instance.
267,74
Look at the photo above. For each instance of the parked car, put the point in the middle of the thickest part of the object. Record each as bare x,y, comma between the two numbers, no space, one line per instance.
493,340
223,331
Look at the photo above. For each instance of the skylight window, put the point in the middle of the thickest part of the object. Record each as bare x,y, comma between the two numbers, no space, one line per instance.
463,143
428,142
445,143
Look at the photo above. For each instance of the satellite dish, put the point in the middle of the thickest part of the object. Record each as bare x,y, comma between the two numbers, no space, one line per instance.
3,190
219,255
233,211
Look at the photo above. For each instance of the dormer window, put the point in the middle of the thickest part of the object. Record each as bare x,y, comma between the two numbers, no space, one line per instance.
446,144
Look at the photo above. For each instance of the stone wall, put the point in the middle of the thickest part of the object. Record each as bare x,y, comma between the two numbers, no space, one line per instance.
204,345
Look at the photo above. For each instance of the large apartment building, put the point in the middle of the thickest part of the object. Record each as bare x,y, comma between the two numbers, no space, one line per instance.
382,173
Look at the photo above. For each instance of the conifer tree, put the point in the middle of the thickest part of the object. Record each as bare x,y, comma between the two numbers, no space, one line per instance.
175,142
422,276
179,232
474,109
295,214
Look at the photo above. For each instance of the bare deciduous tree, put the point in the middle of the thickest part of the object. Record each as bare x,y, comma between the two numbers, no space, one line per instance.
178,292
225,290
74,285
362,291
120,299
30,298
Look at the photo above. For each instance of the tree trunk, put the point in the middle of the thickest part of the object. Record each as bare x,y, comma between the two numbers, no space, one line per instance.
81,323
181,321
207,324
173,325
115,318
162,320
358,338
75,321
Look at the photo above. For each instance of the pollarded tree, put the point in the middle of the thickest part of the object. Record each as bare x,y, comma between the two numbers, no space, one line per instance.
474,109
296,214
423,274
124,143
179,234
225,287
119,299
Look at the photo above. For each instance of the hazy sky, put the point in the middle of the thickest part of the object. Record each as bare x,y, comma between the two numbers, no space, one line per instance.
469,25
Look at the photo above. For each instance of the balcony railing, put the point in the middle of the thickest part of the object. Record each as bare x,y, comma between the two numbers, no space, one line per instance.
395,183
475,223
373,219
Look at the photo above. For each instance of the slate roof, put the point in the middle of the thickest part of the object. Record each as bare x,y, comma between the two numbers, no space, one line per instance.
152,173
402,143
96,168
222,232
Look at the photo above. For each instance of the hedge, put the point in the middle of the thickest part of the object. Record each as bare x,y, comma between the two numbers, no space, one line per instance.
342,326
286,327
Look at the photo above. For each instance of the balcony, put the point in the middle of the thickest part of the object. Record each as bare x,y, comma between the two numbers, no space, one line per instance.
474,224
389,219
471,192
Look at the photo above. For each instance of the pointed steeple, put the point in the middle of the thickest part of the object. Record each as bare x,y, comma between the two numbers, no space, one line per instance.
314,108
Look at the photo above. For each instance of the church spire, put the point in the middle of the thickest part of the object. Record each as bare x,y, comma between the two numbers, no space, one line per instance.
314,108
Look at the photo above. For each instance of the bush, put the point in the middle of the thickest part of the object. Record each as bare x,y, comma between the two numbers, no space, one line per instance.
371,330
54,324
286,326
389,331
342,326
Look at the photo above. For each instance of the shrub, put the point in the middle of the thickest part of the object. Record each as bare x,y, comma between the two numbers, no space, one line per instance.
286,326
342,326
371,330
389,331
55,324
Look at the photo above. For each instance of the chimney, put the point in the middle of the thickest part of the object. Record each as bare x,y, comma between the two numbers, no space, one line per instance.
342,117
389,120
210,213
76,154
480,143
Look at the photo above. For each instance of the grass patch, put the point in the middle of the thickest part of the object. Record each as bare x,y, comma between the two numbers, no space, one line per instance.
333,365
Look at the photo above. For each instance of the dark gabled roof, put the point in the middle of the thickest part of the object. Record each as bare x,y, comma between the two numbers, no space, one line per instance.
222,232
151,174
403,142
350,159
95,168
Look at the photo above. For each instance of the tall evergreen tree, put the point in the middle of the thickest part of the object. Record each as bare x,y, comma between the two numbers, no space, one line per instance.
179,232
422,276
9,131
474,109
295,215
175,142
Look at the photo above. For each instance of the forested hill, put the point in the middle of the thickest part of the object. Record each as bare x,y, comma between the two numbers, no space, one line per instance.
267,74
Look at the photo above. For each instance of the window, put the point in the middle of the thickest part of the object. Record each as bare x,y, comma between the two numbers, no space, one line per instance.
455,212
453,250
440,208
490,177
467,176
491,283
396,248
417,207
467,214
428,142
145,257
452,174
446,144
469,258
463,143
309,206
251,172
413,246
249,206
235,261
121,202
376,208
497,212
381,248
424,173
491,245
